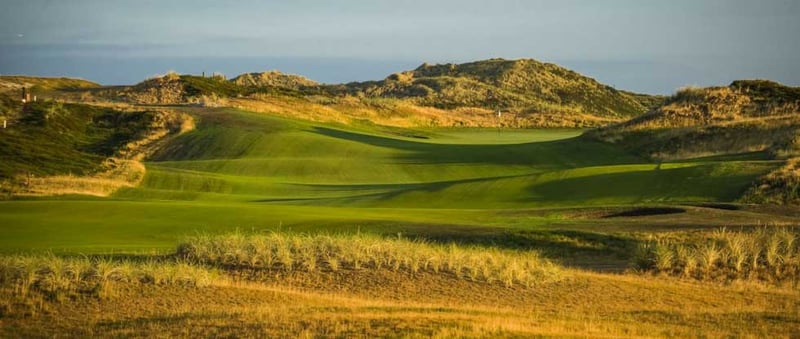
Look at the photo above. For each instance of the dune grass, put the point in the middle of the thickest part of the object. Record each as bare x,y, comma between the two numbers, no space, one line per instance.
311,253
29,278
770,254
83,297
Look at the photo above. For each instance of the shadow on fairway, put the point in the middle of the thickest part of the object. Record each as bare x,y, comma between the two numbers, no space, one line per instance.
566,153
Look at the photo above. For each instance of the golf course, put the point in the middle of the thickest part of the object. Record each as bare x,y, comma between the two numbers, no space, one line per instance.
250,171
187,206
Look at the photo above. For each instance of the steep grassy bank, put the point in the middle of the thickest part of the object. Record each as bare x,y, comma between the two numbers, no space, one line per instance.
50,137
54,148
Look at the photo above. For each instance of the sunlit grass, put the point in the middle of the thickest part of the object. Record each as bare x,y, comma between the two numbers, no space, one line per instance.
310,253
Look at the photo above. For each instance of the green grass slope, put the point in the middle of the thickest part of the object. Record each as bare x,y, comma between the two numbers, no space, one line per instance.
47,137
747,119
241,170
239,156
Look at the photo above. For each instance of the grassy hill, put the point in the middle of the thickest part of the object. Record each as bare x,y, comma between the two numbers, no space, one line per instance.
520,86
747,116
43,84
527,92
11,90
749,119
56,138
53,147
273,79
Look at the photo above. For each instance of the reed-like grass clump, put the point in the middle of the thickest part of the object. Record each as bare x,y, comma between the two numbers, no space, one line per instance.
770,254
288,252
56,276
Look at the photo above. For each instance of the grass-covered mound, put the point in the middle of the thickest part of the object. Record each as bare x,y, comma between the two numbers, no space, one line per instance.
42,84
49,137
527,93
749,119
273,79
520,86
747,116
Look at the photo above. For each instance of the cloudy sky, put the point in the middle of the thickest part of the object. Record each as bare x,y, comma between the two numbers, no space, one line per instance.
645,46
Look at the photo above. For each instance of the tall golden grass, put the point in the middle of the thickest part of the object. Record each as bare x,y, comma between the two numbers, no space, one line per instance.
58,277
287,252
769,254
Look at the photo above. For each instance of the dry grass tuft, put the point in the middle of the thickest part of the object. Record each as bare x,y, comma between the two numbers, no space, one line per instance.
288,252
57,277
769,254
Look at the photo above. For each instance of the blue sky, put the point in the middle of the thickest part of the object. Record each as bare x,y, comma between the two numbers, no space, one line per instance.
645,46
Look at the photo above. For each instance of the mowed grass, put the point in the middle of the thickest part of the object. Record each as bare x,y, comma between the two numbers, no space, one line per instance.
249,171
114,226
246,157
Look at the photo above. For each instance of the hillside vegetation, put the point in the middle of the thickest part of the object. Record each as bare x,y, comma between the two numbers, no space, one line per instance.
354,227
525,93
11,90
47,138
519,86
14,82
747,116
273,79
755,119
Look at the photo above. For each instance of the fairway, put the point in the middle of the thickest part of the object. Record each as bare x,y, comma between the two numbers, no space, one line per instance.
249,171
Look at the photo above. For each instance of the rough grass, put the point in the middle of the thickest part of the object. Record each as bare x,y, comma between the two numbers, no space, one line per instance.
311,253
781,186
511,85
527,92
371,303
58,278
770,254
746,116
55,151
